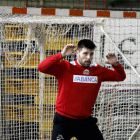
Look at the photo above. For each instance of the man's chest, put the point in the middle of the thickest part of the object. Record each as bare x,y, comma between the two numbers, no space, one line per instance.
77,76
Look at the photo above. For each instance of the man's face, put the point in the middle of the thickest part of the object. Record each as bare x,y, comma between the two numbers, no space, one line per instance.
84,57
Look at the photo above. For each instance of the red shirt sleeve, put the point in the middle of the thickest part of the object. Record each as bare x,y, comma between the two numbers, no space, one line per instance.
118,74
52,65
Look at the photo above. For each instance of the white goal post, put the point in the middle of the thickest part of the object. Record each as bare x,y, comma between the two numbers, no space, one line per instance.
28,97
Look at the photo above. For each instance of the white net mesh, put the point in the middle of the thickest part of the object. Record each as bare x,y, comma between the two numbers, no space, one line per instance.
117,106
28,97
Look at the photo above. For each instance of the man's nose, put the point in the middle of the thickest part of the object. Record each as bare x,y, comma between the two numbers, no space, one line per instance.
88,56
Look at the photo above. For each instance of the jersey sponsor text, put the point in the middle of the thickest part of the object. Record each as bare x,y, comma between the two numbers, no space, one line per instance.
85,79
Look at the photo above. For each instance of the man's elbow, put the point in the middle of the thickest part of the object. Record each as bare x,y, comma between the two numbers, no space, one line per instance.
123,77
42,69
39,68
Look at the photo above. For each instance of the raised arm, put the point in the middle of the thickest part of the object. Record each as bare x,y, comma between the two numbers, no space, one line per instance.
118,74
52,64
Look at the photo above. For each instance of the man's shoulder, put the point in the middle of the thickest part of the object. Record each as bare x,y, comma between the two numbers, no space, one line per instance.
63,64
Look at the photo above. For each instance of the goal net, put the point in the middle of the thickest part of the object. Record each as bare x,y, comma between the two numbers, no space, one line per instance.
28,97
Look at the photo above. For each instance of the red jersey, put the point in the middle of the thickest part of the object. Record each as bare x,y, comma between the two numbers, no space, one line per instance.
78,86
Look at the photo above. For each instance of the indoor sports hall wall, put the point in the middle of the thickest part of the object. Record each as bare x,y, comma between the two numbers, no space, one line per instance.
131,5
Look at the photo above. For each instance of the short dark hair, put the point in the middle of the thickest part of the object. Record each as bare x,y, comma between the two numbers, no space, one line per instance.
86,43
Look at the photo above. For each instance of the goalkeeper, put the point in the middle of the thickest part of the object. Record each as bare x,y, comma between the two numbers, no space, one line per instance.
78,84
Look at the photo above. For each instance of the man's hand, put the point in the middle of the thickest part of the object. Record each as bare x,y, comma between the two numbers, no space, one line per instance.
68,50
112,59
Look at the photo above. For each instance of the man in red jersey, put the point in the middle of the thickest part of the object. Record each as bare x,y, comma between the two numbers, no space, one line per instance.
78,85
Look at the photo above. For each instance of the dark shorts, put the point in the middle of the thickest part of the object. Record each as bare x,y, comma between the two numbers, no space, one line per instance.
65,128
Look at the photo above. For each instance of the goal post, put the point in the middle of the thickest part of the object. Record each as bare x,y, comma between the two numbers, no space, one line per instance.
28,97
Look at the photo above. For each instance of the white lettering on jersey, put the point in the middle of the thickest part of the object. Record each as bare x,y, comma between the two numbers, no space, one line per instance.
85,79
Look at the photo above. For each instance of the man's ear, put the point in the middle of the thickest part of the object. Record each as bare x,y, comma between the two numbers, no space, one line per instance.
77,52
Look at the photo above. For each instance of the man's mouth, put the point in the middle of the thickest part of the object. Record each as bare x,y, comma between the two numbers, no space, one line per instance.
88,62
